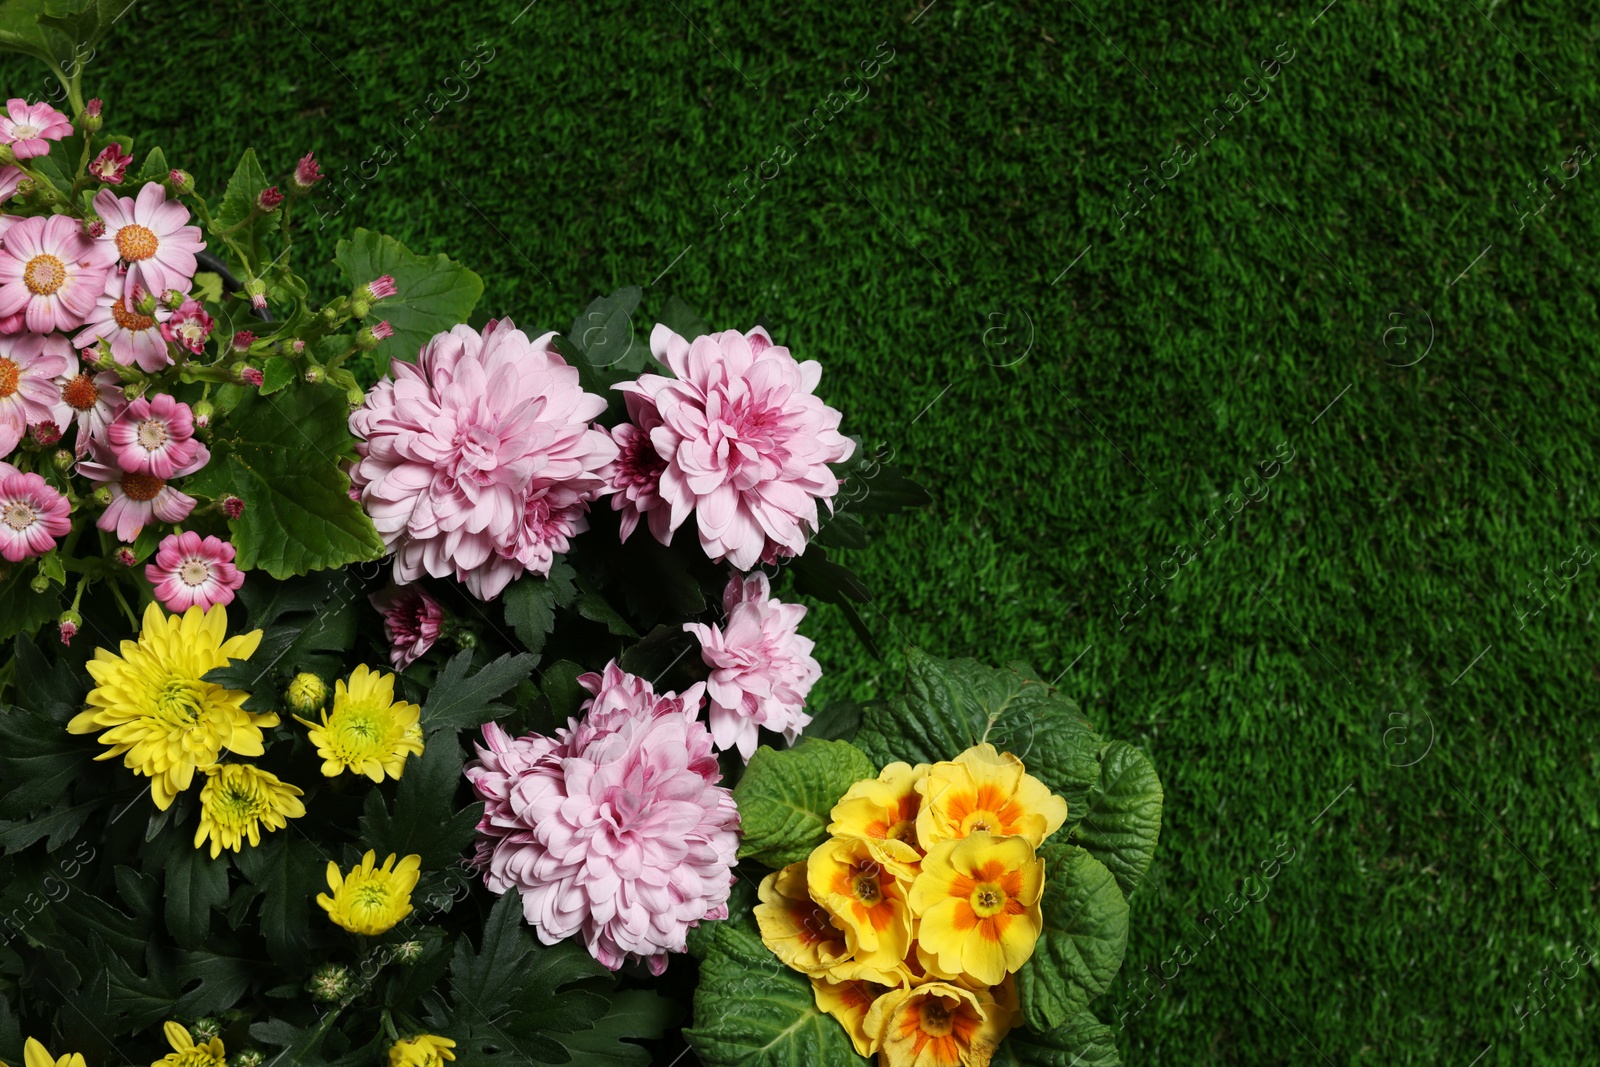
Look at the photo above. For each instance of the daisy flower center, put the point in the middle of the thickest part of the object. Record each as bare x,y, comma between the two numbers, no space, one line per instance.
80,393
987,899
152,434
10,375
18,515
129,320
23,131
141,487
179,701
193,333
44,275
136,242
194,572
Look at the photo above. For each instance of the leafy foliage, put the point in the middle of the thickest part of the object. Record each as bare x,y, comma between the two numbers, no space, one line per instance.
434,292
1085,934
785,796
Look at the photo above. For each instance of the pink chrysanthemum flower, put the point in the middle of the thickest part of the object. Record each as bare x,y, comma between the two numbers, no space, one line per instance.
111,165
747,443
411,621
135,338
31,366
634,477
615,829
51,273
190,572
29,128
152,236
761,668
476,457
32,515
139,499
95,401
154,436
189,327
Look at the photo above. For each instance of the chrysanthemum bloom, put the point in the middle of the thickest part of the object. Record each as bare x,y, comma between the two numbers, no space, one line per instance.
135,337
371,899
977,902
30,365
864,889
368,732
32,515
51,273
937,1024
189,327
187,1052
29,128
983,789
411,621
139,499
238,800
165,720
190,572
152,236
35,1055
476,458
849,1002
884,808
424,1050
761,668
634,477
747,444
615,829
154,436
110,165
797,929
95,401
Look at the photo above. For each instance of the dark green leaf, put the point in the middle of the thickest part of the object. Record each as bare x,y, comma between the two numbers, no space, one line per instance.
559,683
458,701
531,603
634,1013
435,293
22,611
276,374
239,200
592,606
682,319
839,721
1121,820
195,883
290,871
1082,1042
785,796
606,336
39,761
423,822
1081,946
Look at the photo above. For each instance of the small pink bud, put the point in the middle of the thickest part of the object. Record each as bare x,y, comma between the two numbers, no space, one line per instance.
269,199
382,330
307,172
69,626
203,410
232,507
313,375
126,557
92,108
382,288
297,346
45,433
250,376
243,340
94,228
258,301
173,299
181,181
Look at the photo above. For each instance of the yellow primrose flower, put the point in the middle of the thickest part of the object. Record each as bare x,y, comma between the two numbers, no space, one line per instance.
34,1055
798,930
424,1050
237,800
986,790
977,903
185,1053
862,889
938,1024
370,899
883,808
164,720
369,732
848,1002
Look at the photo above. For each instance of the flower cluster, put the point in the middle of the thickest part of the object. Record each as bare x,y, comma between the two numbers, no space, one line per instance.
912,918
616,828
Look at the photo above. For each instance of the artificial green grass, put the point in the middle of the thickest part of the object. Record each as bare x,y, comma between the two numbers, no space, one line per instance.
1372,596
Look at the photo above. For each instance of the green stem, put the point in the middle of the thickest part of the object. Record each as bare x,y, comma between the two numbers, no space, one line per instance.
122,602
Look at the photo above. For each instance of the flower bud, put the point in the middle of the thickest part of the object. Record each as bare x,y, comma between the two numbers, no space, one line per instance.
202,413
147,305
313,374
360,308
296,347
306,693
101,496
44,433
408,951
466,639
90,119
269,199
133,390
40,584
94,228
205,1029
232,507
173,299
380,288
62,460
307,173
248,375
329,983
243,340
125,556
69,623
92,108
7,156
181,181
369,336
250,1057
256,289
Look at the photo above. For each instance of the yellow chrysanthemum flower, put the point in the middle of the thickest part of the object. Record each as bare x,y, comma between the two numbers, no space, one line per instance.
424,1050
368,732
986,790
849,1002
939,1024
185,1053
977,905
164,720
370,899
884,808
34,1055
237,800
864,889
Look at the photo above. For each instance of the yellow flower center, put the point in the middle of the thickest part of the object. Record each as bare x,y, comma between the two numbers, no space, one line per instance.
152,434
130,320
905,830
136,243
937,1020
179,701
44,275
240,802
19,515
10,375
373,896
982,819
987,899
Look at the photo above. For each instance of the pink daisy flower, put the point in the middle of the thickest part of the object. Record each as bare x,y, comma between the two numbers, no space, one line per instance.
634,477
139,499
95,402
154,436
30,367
152,236
189,327
135,338
29,128
411,621
746,442
50,272
479,459
188,572
32,515
111,164
761,668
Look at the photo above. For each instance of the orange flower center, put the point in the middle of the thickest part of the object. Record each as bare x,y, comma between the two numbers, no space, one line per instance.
19,515
129,320
80,393
136,242
141,486
10,375
44,275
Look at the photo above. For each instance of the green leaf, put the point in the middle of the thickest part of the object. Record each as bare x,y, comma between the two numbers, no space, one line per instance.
423,822
81,22
752,1011
606,337
1121,821
195,884
290,871
301,1046
39,760
435,293
207,287
1083,1042
239,200
950,705
785,796
838,721
1081,946
281,455
634,1013
155,167
531,603
277,374
682,319
559,684
592,606
223,980
457,701
57,689
59,825
817,575
141,1000
22,611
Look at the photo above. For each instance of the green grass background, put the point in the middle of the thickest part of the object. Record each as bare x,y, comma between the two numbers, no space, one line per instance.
1274,680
